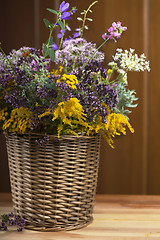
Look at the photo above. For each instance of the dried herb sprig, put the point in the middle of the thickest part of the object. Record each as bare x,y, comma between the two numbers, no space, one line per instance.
12,219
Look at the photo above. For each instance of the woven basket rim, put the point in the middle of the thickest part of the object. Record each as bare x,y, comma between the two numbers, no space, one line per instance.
54,136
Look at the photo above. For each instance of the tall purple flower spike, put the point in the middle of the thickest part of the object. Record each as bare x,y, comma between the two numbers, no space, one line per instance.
63,7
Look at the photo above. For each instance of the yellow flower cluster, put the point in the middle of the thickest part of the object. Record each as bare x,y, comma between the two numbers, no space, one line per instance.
116,124
19,120
46,113
57,71
72,119
3,114
70,115
71,80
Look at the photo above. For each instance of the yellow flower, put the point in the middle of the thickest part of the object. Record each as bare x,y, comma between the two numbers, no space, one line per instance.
70,113
109,71
116,124
71,80
60,69
3,114
57,71
46,113
19,120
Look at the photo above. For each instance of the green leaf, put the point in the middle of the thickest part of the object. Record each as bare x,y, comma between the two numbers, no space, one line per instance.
51,54
52,86
47,23
52,11
61,25
46,47
131,105
5,218
45,51
120,30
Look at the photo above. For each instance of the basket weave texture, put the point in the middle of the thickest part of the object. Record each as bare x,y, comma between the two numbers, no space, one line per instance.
53,186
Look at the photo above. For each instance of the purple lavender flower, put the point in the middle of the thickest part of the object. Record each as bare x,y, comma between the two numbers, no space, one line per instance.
90,92
15,99
76,52
12,219
28,85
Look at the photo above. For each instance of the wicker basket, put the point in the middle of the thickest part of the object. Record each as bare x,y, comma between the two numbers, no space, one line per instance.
53,186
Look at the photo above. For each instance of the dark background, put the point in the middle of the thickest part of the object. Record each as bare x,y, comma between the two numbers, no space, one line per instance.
133,167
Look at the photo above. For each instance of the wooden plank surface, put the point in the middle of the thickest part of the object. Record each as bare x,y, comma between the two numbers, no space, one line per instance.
135,154
116,217
154,101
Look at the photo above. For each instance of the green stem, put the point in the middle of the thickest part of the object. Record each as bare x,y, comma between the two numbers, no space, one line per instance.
60,45
47,46
114,81
94,53
50,34
85,15
117,80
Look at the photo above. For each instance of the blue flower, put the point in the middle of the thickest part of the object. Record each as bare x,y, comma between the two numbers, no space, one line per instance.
59,35
64,7
76,34
54,46
66,16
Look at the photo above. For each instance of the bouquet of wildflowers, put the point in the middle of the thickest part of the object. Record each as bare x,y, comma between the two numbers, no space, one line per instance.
79,95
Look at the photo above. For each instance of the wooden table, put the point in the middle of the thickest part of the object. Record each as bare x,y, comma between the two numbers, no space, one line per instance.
116,217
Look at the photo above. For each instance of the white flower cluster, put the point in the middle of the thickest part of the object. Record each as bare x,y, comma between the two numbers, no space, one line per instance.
128,61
